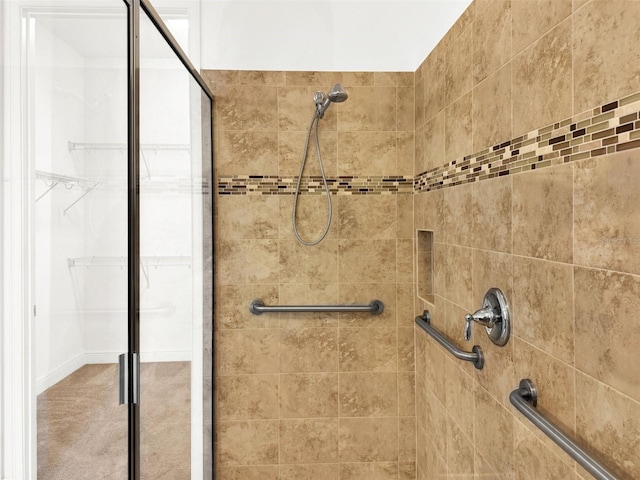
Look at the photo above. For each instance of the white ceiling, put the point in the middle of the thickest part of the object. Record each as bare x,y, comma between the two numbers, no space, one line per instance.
324,35
316,35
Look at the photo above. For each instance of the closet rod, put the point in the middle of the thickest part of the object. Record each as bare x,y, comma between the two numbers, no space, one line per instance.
123,146
376,307
475,356
121,261
525,399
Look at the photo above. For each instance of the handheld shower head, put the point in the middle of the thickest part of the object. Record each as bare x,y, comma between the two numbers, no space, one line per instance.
335,95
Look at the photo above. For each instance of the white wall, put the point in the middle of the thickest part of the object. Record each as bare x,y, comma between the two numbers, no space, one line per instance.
333,35
56,88
82,311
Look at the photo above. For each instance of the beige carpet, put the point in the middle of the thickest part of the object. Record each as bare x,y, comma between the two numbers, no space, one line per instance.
82,431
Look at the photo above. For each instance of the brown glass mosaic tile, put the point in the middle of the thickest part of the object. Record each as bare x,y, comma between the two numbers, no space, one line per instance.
344,185
610,128
606,129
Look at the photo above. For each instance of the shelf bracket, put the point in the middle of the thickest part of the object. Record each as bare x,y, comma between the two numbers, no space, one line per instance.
53,185
87,192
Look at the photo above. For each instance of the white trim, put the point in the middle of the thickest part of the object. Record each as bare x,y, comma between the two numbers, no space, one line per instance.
59,373
18,422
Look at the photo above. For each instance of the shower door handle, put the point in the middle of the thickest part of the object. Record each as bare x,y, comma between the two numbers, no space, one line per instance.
125,360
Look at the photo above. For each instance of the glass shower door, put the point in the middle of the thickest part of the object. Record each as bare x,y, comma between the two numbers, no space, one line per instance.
174,202
76,124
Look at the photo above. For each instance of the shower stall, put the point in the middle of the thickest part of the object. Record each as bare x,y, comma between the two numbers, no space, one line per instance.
110,175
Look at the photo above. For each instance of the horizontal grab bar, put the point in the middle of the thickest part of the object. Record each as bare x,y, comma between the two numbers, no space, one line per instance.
525,399
475,356
376,307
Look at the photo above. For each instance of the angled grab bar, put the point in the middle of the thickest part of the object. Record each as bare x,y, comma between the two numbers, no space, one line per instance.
475,356
525,399
376,307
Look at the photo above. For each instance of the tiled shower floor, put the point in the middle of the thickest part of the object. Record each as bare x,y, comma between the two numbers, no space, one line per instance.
82,431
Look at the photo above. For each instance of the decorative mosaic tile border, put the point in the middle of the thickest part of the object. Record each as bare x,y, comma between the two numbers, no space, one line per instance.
344,185
610,128
607,129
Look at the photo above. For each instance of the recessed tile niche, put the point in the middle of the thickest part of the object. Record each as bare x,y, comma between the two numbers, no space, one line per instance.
424,267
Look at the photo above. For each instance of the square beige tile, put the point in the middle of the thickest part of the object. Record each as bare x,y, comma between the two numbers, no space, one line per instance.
330,471
435,89
606,328
407,394
405,108
232,306
543,71
534,19
365,260
369,439
602,73
433,137
363,293
302,264
367,216
296,109
365,394
247,351
309,440
543,213
366,471
492,98
291,148
607,208
248,473
247,443
532,456
491,201
609,423
366,153
308,294
242,152
369,109
308,350
555,384
247,108
247,216
458,132
458,216
247,397
460,392
246,262
543,303
492,39
459,452
459,67
368,350
309,395
494,433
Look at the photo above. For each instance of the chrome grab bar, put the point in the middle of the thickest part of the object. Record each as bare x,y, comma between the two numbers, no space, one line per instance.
525,399
376,307
475,356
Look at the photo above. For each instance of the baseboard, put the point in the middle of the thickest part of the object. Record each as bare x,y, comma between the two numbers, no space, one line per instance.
112,357
60,373
104,357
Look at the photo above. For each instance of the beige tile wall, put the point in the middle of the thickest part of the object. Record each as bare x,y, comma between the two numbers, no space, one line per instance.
562,242
307,396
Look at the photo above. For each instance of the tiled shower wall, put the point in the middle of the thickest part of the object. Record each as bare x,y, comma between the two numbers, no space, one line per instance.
527,166
306,396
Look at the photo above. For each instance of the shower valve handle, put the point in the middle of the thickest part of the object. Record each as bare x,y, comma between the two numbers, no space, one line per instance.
485,316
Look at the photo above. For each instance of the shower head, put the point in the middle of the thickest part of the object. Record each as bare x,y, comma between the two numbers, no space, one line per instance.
335,95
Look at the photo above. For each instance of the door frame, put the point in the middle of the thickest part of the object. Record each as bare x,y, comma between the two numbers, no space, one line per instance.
17,362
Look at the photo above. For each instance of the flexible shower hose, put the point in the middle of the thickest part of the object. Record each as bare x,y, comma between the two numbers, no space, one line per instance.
315,120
